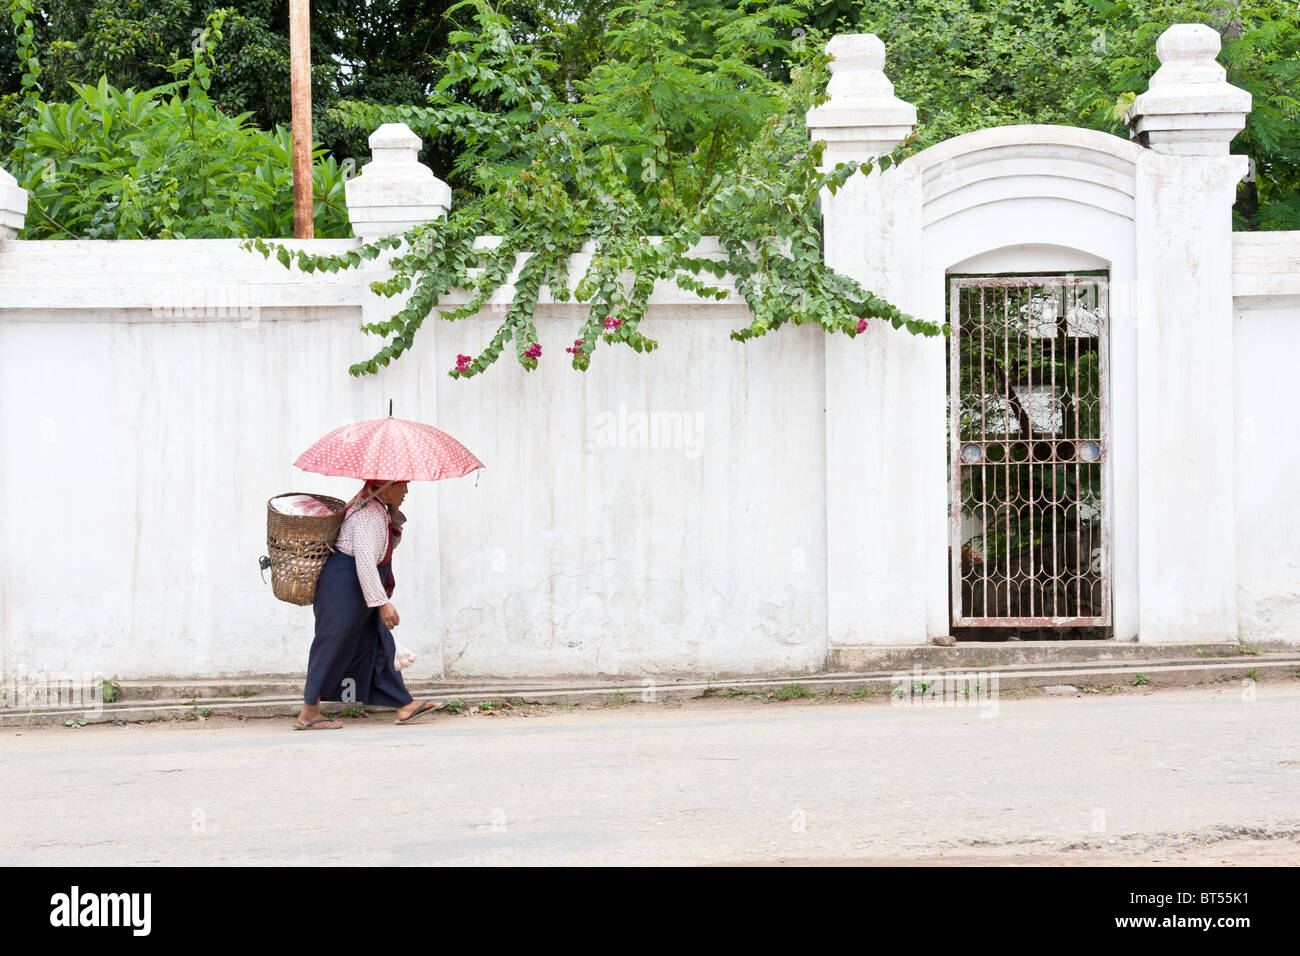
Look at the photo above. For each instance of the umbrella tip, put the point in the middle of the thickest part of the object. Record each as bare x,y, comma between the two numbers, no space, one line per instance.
390,408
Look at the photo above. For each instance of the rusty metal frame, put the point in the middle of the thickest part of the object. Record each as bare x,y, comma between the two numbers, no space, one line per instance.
1067,288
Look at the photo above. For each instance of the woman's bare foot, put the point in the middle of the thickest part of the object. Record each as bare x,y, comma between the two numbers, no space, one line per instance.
310,713
415,706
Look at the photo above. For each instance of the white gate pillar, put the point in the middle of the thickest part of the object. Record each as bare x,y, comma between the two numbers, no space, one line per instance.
13,206
393,193
886,493
1185,188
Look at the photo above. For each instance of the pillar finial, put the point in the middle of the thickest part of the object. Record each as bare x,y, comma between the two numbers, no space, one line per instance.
1189,108
394,191
863,117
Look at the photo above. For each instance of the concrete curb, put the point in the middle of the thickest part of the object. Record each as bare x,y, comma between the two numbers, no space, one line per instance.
873,659
864,657
1090,675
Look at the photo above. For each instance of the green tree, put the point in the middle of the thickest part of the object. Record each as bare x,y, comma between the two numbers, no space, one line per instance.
160,163
378,51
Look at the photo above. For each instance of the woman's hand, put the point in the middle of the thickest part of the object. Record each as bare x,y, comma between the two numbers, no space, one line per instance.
388,614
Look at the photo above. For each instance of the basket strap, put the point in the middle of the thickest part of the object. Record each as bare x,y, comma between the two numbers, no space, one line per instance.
359,502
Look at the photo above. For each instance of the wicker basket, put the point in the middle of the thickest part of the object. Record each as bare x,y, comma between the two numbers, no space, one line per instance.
298,547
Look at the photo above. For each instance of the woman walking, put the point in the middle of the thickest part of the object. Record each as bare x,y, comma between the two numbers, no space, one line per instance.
352,657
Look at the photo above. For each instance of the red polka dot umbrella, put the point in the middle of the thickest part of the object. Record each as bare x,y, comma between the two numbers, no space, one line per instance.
389,449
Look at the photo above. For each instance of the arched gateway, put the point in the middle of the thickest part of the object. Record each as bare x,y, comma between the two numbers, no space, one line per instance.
1059,461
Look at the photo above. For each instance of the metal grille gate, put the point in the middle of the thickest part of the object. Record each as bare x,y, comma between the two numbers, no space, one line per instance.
1029,431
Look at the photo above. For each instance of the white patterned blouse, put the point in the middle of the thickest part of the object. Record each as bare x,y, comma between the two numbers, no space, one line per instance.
364,536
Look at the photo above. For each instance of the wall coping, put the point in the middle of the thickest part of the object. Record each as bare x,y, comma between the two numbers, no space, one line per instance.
1026,134
190,280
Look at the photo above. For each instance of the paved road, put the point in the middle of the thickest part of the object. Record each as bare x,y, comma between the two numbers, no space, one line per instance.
1090,779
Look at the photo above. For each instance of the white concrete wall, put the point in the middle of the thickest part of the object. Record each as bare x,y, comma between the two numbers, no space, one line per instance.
154,394
140,446
1266,284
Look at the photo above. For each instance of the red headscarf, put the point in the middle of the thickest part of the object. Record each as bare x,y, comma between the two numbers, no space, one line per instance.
369,489
395,517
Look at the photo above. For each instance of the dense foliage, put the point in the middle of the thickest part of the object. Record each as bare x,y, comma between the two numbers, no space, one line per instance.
561,122
968,64
676,134
165,162
378,51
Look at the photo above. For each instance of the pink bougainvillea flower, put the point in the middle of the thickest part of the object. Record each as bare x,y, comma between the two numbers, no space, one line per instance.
462,362
534,350
612,323
577,347
862,326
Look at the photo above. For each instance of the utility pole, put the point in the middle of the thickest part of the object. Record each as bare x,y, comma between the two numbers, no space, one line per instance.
304,226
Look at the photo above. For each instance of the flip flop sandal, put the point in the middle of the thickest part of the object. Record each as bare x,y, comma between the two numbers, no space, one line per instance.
427,707
312,723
